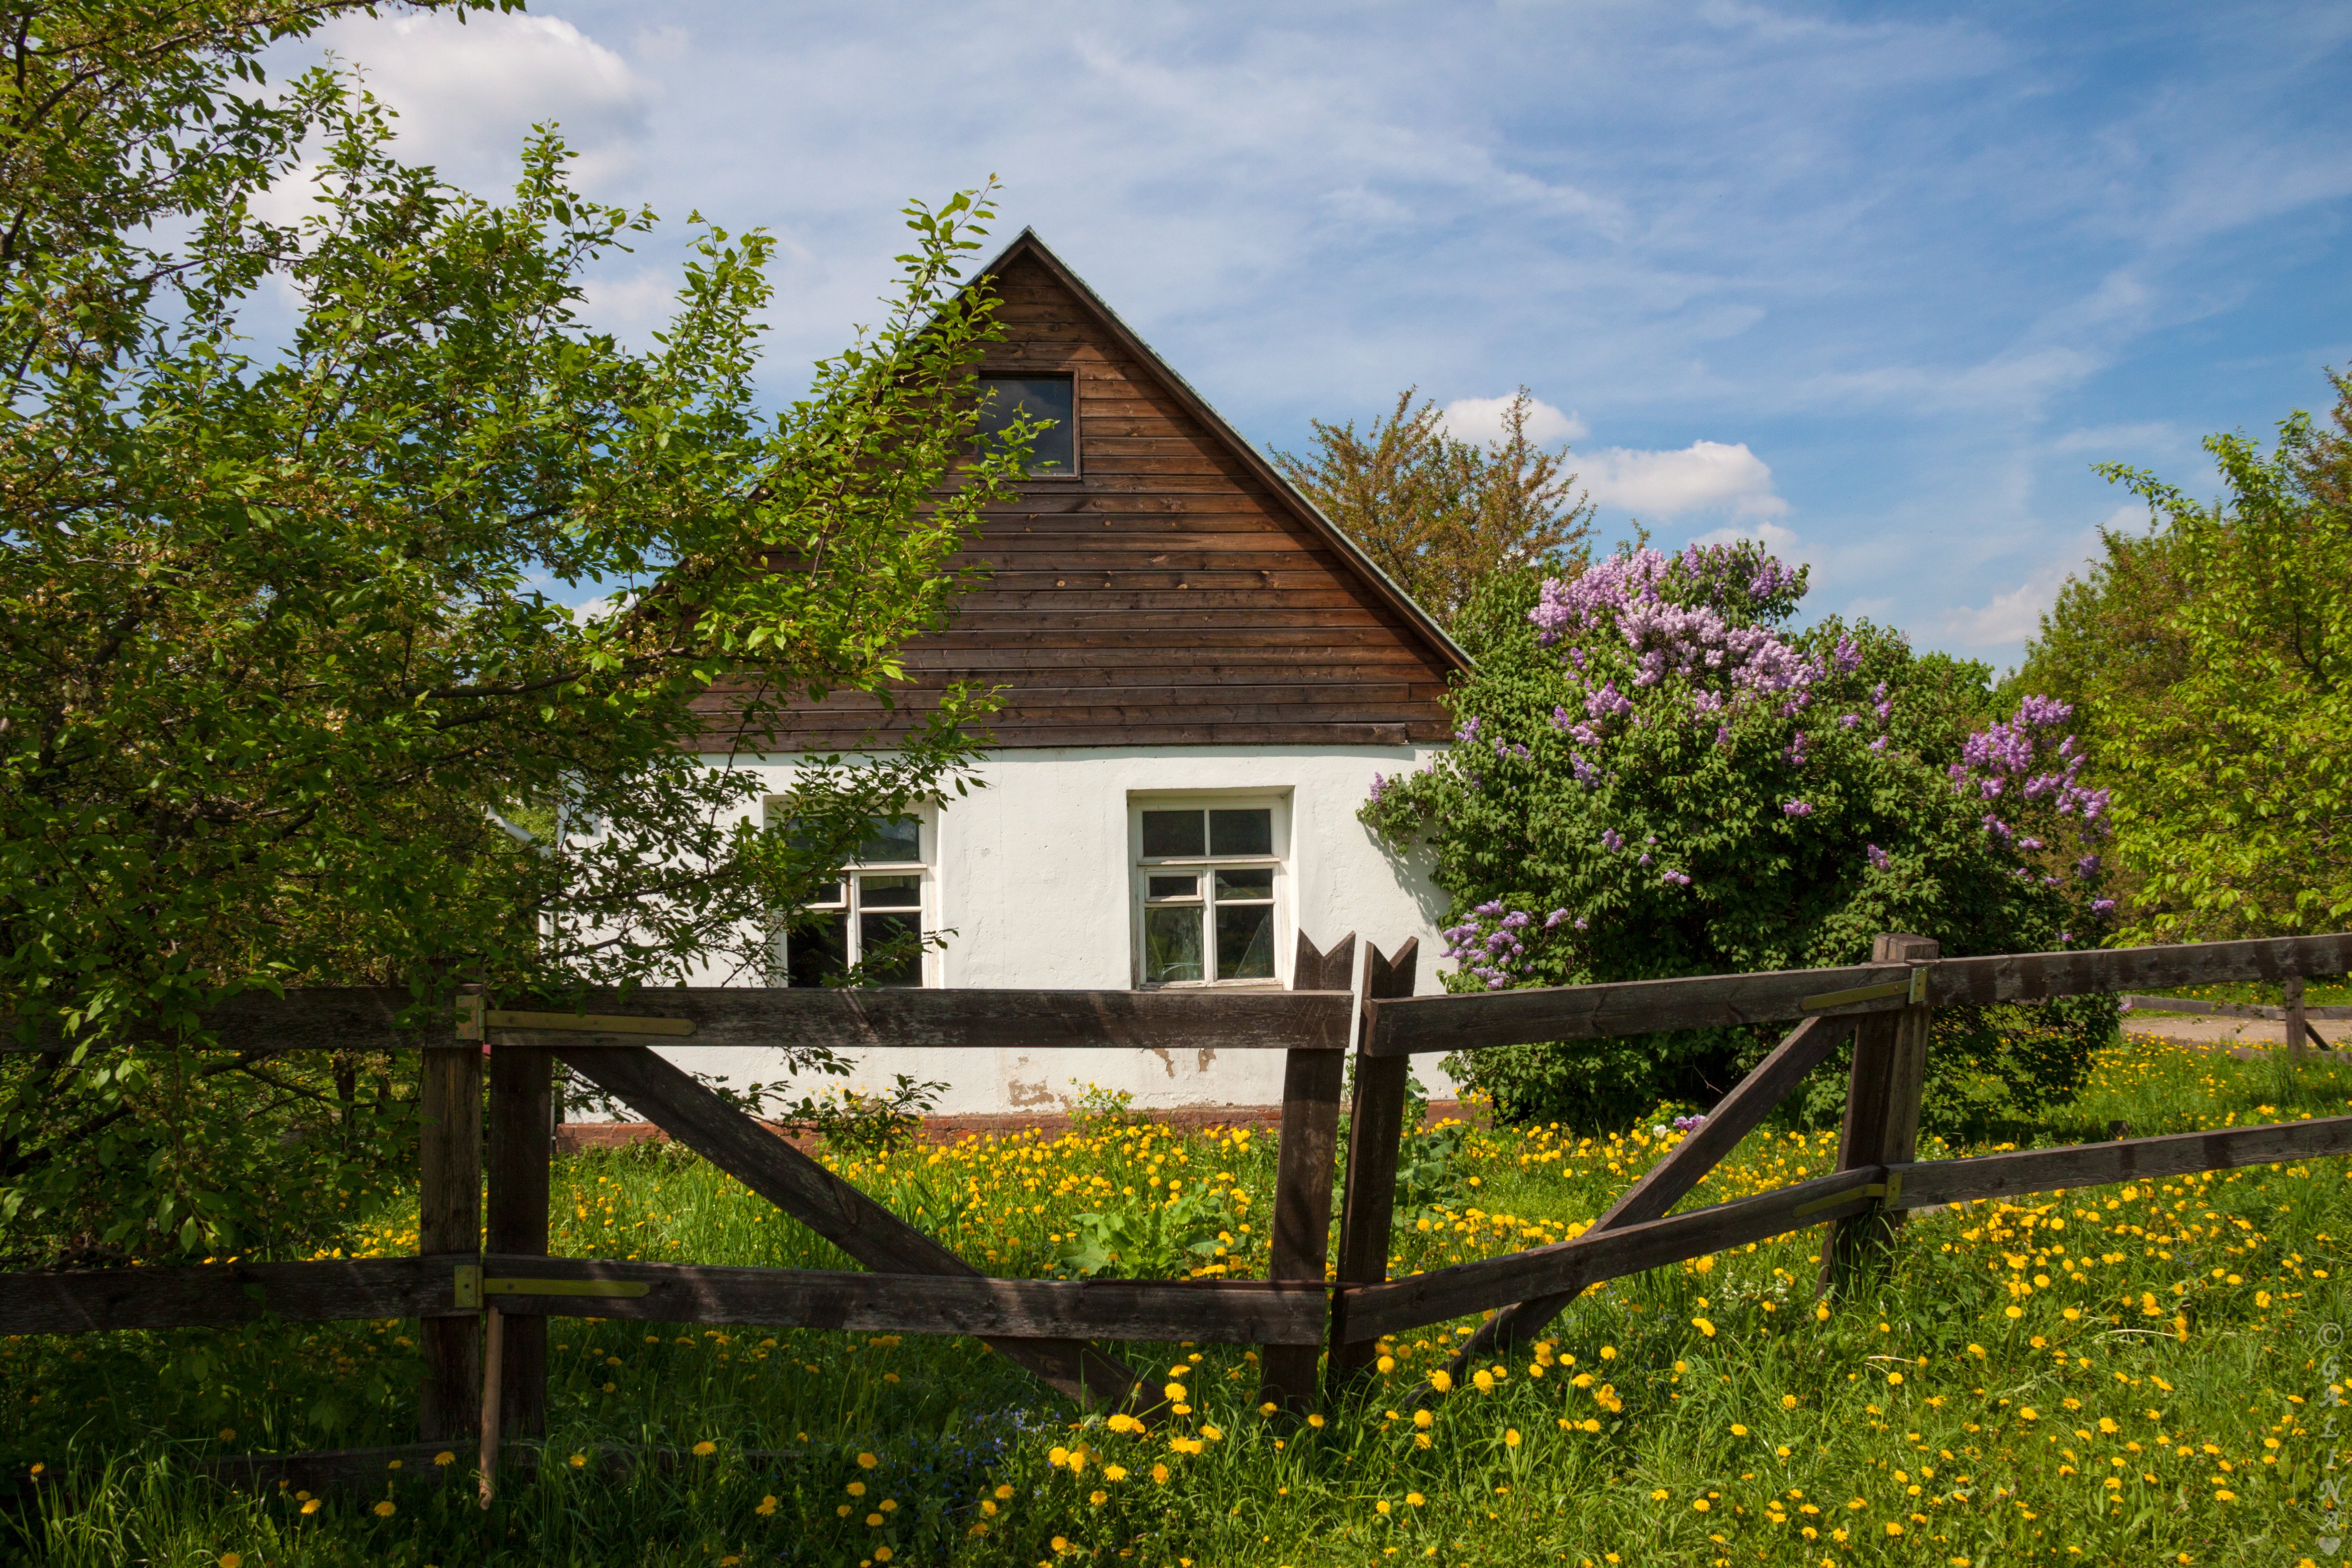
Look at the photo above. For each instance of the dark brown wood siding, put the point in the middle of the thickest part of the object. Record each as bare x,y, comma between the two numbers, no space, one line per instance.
1166,596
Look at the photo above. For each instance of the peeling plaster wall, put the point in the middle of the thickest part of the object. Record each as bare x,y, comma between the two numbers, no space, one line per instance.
1034,876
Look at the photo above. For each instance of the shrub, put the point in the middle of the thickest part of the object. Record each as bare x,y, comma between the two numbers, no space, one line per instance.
1655,775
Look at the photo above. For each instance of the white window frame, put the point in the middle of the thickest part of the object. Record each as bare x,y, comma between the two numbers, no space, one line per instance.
1141,868
925,909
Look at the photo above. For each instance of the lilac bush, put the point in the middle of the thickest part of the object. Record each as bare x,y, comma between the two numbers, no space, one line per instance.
1658,772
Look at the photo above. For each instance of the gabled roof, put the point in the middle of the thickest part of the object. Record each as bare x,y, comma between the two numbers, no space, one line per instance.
1028,244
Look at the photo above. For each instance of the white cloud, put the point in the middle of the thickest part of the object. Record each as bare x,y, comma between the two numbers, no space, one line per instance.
1480,419
2010,619
468,93
1779,540
1706,476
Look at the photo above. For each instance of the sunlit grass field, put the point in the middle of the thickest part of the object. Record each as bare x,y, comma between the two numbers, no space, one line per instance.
2132,1374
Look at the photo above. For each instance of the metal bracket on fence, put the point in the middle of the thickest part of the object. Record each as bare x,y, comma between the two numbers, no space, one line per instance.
1913,990
471,1287
1888,1192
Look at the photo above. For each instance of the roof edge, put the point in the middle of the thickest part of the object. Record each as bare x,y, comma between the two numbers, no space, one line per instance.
1029,242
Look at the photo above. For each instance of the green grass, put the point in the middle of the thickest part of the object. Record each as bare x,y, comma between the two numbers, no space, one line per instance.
2199,1307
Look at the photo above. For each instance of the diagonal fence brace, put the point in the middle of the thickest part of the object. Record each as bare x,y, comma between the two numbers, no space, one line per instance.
738,1145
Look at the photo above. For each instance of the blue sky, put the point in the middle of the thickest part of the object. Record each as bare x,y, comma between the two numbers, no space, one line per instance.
1879,283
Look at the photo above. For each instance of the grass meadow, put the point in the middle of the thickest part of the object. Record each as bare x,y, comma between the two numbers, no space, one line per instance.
2142,1373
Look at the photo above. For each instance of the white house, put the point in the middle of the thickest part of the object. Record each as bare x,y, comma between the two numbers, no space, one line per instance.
1200,675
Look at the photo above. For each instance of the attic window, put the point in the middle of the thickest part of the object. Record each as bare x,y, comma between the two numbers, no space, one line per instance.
1053,451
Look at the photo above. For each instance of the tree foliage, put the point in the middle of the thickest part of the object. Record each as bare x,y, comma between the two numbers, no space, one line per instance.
2213,659
1438,515
286,693
1655,774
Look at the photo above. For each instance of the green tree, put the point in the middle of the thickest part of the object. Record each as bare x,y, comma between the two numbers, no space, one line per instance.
1439,514
1655,776
285,685
2223,724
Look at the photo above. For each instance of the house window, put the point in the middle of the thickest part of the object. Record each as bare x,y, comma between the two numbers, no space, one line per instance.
1208,881
1053,451
873,916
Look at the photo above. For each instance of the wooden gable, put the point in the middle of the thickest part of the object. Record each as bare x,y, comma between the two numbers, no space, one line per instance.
1174,591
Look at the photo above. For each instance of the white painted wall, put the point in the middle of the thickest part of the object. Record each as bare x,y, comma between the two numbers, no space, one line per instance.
1033,875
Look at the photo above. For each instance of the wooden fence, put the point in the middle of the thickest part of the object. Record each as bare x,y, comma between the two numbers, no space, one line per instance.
483,1284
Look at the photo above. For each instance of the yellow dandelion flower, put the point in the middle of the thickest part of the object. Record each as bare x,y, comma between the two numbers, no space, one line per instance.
1704,1327
705,1448
866,1461
767,1506
1510,1437
386,1508
1441,1380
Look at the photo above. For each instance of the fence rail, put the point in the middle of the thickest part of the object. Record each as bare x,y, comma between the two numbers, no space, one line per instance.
1420,1026
484,1286
765,1017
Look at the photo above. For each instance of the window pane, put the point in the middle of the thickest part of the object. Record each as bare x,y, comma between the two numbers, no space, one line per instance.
1245,942
1175,887
826,893
1171,943
818,951
1241,833
891,840
1258,884
889,892
1173,833
1005,398
889,944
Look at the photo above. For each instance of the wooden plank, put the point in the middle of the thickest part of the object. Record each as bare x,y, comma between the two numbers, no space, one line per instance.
1881,1110
2292,1015
2225,1009
1375,1135
224,1295
2138,1159
448,1219
1239,1311
1311,1081
1420,1026
695,1116
761,1017
1569,1268
1672,1179
2037,976
1424,1025
522,1124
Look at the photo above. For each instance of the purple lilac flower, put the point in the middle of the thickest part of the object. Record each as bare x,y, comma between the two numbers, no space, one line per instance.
1612,840
1468,729
1879,859
1797,808
1672,879
2103,906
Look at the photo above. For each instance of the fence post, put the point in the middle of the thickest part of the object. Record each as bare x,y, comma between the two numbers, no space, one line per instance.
521,1085
1881,1107
449,1219
1302,1175
2291,994
1375,1132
